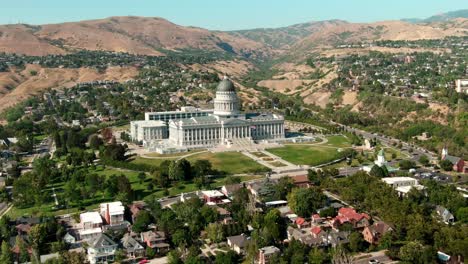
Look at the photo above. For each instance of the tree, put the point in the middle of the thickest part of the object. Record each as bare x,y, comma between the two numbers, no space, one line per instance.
462,214
7,255
340,256
317,256
424,160
141,177
415,252
377,171
142,221
23,251
95,142
446,165
114,152
202,168
407,164
304,202
161,178
229,257
356,242
37,237
214,232
150,253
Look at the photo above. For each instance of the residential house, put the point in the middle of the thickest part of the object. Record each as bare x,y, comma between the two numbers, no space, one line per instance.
302,223
187,196
155,240
375,232
265,253
445,215
113,213
237,243
91,225
458,163
301,181
101,249
349,215
135,208
214,197
69,239
228,190
132,248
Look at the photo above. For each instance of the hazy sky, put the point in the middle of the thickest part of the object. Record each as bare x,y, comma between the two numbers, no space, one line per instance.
222,14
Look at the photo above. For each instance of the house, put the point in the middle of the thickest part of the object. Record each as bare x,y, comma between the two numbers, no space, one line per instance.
316,219
445,214
302,223
403,184
69,239
101,249
375,232
113,213
187,196
237,243
305,236
23,229
132,248
213,197
91,223
349,215
155,240
457,162
224,215
265,253
135,208
229,190
301,181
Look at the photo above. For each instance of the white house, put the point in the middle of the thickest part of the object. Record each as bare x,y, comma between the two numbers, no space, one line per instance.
91,223
113,213
102,250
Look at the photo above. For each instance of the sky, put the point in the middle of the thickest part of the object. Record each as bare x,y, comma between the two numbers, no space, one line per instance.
222,14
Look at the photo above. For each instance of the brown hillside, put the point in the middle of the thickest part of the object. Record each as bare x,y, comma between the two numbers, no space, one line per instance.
138,35
386,30
18,85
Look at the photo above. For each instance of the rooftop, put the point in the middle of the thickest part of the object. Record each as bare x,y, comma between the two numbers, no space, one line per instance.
115,208
93,217
392,180
148,123
213,193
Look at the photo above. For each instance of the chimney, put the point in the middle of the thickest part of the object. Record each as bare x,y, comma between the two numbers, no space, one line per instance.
108,219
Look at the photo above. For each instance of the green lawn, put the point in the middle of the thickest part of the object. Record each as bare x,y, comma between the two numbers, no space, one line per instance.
229,162
306,155
303,154
174,155
152,162
338,141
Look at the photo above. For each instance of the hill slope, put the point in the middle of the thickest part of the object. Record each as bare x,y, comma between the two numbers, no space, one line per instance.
138,35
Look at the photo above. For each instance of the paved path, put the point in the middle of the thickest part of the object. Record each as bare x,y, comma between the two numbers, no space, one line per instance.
178,157
6,211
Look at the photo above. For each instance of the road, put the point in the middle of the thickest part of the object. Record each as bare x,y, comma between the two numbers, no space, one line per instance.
365,257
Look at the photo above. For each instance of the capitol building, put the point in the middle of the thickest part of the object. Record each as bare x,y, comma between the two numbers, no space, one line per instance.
191,128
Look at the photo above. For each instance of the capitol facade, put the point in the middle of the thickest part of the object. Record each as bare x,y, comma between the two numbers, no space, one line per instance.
225,125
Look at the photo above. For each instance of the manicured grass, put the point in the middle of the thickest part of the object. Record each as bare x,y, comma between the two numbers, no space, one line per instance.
338,141
152,162
229,162
174,155
306,155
